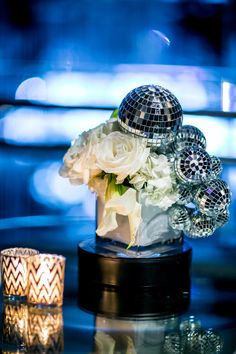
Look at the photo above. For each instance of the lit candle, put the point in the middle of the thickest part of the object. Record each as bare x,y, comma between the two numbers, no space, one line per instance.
46,279
14,270
45,330
15,323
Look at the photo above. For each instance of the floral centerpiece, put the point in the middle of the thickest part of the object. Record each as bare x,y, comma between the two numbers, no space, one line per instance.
146,168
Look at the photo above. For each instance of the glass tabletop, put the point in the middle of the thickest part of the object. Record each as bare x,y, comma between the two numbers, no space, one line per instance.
207,326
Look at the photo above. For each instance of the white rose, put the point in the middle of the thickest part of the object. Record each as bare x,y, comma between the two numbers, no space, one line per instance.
121,154
80,161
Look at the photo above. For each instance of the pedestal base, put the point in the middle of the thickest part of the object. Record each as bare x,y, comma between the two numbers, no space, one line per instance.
117,285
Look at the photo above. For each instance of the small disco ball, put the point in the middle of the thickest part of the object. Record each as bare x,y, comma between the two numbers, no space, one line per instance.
222,218
193,165
179,218
188,136
213,198
216,166
201,226
184,194
151,112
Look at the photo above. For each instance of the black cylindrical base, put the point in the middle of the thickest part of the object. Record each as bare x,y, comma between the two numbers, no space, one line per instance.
137,286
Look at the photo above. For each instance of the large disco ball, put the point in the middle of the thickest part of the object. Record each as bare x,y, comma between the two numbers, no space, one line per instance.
213,198
193,165
151,112
189,136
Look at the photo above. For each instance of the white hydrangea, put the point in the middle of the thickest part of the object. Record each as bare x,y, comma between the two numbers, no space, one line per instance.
155,178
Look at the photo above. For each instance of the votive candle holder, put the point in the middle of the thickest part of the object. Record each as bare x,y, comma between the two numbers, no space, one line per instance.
46,279
14,271
45,330
15,323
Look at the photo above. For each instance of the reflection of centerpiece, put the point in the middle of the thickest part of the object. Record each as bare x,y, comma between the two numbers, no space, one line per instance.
154,182
144,163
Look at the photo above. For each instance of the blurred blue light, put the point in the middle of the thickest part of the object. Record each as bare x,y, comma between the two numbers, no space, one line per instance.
109,88
225,96
32,89
48,127
218,133
49,188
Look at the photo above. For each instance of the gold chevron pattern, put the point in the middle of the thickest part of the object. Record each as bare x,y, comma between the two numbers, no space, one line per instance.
15,323
40,330
45,330
14,270
46,279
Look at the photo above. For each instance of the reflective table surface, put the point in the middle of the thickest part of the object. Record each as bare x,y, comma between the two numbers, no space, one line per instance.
207,326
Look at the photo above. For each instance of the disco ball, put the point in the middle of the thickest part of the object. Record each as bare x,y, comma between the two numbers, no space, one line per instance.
151,112
222,218
193,165
189,136
184,194
179,218
213,198
216,166
201,226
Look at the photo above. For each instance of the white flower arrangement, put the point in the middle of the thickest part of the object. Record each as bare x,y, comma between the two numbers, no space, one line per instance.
117,166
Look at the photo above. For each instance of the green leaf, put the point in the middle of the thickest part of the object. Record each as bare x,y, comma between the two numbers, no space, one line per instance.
114,113
114,189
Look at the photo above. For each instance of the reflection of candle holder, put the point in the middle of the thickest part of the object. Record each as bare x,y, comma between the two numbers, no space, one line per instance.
14,270
46,279
15,323
45,330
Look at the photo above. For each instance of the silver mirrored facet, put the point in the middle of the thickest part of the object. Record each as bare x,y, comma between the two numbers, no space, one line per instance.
213,197
189,136
216,166
222,218
193,165
201,226
184,194
212,342
173,344
179,218
151,112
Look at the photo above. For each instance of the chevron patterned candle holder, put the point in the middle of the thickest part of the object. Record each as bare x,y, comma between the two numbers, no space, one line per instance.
46,279
15,323
14,270
45,330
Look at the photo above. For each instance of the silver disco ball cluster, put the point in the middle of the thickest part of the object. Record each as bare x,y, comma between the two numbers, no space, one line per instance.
153,113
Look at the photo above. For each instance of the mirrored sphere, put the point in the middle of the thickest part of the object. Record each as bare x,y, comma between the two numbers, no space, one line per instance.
193,165
179,218
222,218
201,226
213,197
189,136
151,112
184,194
216,166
